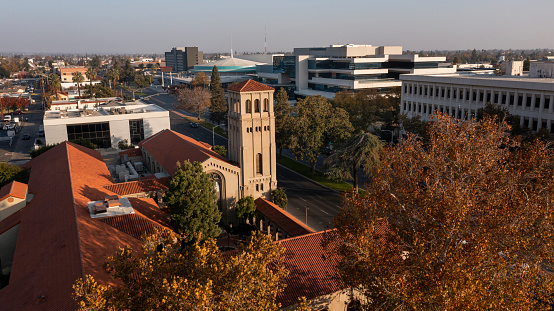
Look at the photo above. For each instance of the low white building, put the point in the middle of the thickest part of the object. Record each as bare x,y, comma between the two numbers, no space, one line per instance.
461,95
106,125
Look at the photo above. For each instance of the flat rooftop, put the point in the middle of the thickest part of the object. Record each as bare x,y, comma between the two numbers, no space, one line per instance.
112,108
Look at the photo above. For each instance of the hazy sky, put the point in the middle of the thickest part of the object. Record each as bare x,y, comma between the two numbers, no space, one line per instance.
138,26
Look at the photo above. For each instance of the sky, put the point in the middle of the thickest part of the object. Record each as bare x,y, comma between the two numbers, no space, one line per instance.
146,27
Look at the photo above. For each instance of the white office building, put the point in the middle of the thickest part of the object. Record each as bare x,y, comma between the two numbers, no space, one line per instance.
327,70
106,125
461,95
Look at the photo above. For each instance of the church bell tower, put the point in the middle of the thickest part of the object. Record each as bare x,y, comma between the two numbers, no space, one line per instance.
251,125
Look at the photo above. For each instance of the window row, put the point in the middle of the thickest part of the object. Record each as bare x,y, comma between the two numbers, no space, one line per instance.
257,129
532,101
248,106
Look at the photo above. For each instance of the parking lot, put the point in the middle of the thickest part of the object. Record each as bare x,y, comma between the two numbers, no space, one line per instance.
18,152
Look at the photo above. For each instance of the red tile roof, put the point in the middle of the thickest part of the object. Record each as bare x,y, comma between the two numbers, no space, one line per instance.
10,221
139,186
250,86
13,189
169,147
282,218
58,241
131,152
312,268
137,225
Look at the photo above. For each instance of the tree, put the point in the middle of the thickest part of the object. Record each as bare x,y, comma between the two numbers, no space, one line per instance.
316,124
172,275
196,100
282,111
200,81
128,72
113,74
91,75
192,202
55,83
10,172
221,150
155,68
474,57
141,82
78,78
96,62
361,151
245,207
280,197
218,104
464,223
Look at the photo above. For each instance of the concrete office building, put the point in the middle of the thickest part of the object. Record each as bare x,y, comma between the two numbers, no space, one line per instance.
183,59
461,95
542,68
106,125
327,70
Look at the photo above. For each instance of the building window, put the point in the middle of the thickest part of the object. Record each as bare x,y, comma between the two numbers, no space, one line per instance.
266,105
257,105
259,164
257,187
136,129
96,133
248,106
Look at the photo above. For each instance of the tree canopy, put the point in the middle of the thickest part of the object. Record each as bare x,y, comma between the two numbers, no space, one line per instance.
245,207
218,106
195,100
315,124
172,275
192,202
463,223
282,110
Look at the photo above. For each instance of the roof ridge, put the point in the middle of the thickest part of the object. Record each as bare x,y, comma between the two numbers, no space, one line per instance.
306,235
77,232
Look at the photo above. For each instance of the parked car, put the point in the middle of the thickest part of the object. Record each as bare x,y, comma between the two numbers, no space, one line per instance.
193,125
26,137
18,112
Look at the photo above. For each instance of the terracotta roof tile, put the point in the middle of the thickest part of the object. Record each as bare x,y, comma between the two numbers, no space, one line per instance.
139,186
312,268
131,152
169,147
282,218
250,86
58,242
13,189
146,220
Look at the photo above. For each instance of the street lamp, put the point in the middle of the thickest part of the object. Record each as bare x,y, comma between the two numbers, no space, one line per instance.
213,133
306,215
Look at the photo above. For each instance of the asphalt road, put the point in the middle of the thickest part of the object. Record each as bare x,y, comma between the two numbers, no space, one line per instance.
18,152
321,203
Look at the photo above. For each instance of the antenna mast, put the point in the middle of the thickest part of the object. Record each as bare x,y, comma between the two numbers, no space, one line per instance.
265,40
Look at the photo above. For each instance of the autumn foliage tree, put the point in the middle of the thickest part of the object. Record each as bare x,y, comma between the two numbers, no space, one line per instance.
196,100
172,275
463,223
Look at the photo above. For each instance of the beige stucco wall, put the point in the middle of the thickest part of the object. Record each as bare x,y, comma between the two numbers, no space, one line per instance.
251,134
8,208
8,240
336,301
230,176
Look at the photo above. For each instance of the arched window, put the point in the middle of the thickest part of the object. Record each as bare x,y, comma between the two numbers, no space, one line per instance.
236,107
259,164
266,105
257,105
248,106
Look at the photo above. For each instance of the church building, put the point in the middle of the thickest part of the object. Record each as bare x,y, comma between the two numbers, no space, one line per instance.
250,169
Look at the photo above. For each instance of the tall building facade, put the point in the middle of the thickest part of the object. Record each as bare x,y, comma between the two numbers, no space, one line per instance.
461,95
327,70
183,58
251,125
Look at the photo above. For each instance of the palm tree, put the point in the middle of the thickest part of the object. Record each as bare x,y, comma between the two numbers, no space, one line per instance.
55,83
361,151
78,78
91,74
113,74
